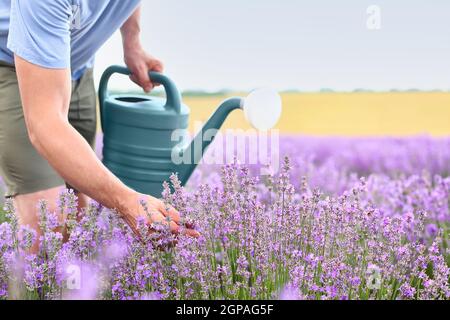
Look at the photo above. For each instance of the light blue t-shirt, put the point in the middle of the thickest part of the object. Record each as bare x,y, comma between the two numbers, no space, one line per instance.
59,34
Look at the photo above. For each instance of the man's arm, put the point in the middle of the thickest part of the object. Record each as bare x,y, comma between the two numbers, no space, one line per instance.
136,59
45,97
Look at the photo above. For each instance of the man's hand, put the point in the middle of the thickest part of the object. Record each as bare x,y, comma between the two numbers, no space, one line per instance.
137,60
154,211
140,63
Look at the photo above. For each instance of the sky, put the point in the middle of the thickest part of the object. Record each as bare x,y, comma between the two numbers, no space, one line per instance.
294,44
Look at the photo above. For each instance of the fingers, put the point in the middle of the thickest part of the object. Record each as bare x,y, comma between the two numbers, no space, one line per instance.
169,217
147,87
174,215
156,65
170,212
175,229
140,77
162,218
158,217
191,233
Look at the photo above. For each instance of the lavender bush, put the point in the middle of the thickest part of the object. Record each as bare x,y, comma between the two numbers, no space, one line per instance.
328,226
334,164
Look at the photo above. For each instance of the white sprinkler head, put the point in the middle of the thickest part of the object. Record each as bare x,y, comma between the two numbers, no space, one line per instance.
262,108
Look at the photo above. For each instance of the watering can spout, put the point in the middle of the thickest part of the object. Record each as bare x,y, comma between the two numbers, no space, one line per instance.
194,152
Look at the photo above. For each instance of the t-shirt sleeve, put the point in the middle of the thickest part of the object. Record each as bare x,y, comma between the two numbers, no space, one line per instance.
39,32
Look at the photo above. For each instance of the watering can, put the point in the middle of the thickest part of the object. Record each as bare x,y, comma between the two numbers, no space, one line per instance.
138,144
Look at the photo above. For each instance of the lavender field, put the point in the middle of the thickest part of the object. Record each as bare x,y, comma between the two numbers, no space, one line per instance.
342,219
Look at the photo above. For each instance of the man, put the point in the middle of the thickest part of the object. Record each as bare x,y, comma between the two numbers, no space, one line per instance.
47,103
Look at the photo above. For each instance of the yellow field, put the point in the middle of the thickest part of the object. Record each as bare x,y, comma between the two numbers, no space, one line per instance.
350,114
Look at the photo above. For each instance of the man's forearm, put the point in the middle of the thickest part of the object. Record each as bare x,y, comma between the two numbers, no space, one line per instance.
72,157
131,30
45,97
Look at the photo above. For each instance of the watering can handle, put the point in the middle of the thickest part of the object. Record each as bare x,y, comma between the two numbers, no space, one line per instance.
172,94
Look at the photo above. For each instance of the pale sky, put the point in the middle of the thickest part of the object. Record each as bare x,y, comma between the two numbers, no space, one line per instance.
294,44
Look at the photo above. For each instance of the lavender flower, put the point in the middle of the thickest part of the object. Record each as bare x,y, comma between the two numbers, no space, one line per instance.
341,220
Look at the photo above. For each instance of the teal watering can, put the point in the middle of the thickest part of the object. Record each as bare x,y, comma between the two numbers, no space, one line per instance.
138,144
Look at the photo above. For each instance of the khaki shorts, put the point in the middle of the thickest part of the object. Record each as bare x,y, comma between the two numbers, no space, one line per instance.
23,170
